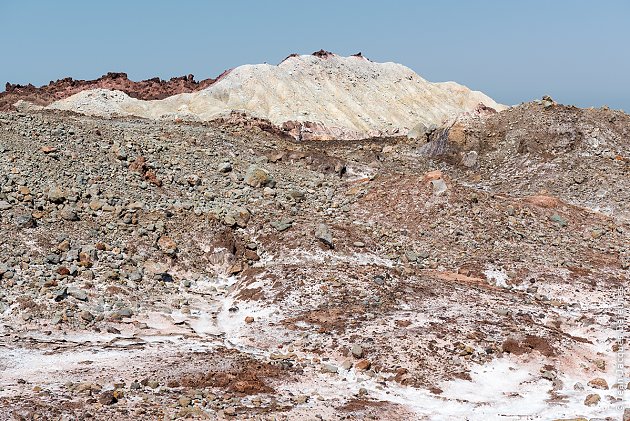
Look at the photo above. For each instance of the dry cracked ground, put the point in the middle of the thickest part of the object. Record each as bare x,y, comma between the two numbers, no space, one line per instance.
171,270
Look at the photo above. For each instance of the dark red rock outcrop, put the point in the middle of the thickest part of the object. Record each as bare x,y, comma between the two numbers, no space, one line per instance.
323,54
149,89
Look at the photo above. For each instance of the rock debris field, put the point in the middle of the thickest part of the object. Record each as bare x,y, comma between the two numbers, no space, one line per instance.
467,267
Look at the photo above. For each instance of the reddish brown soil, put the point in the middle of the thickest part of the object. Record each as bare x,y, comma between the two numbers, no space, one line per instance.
248,377
360,404
360,408
530,343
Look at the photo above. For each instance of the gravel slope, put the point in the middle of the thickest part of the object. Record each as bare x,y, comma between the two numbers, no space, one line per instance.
173,270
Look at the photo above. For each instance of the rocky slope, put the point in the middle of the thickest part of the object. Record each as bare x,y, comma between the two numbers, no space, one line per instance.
310,97
161,269
149,89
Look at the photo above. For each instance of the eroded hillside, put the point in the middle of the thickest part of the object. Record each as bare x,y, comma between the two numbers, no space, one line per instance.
213,270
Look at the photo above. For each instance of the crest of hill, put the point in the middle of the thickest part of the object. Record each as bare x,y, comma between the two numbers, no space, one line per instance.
319,96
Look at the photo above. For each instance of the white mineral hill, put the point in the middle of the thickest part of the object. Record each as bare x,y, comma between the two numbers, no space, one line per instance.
316,97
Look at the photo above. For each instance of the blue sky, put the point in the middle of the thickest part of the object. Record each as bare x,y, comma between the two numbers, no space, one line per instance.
576,51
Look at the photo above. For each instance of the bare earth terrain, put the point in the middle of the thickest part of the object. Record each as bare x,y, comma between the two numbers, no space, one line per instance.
157,269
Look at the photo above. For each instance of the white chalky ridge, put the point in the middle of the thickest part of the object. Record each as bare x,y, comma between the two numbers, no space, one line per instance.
347,97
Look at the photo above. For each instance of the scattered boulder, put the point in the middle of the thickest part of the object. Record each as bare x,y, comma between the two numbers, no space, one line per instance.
69,213
86,316
257,177
167,245
419,132
329,368
559,220
469,159
107,398
363,365
323,234
282,224
57,195
592,399
225,167
165,277
547,101
48,149
79,294
238,216
598,383
25,221
439,186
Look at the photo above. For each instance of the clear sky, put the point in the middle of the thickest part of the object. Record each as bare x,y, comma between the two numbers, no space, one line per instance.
576,51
